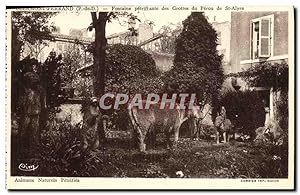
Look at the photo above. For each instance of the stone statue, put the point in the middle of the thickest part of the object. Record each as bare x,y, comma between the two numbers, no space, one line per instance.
32,103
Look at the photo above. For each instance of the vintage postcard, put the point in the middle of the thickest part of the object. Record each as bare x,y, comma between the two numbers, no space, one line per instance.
150,97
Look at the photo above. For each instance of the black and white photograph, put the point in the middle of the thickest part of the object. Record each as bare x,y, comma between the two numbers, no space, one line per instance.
197,97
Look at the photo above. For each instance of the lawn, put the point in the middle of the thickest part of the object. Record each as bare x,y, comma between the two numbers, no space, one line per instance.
61,155
192,159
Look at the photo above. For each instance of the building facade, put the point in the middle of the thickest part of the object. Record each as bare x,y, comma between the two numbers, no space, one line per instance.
148,41
223,32
256,38
143,33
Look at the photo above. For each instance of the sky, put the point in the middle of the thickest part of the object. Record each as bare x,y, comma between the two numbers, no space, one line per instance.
67,20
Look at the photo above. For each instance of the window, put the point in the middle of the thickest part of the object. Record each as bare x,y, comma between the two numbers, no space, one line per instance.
262,37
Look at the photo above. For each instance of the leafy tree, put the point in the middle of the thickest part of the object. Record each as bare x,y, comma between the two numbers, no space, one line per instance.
27,28
197,63
99,21
170,33
74,57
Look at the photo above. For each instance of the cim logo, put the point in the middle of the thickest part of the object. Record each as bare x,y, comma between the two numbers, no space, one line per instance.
26,167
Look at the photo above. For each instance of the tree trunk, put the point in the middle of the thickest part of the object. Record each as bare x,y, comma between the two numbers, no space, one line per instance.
99,55
99,61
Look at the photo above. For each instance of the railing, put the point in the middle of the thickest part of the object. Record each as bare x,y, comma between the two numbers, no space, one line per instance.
152,44
72,39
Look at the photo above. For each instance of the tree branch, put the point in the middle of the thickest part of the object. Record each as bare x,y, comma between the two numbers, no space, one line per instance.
94,17
109,15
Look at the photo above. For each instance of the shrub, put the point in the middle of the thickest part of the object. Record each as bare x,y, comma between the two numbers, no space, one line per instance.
283,110
247,106
274,76
131,70
61,154
127,65
197,63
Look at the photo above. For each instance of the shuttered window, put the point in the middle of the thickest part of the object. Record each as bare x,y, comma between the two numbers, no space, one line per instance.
265,38
261,37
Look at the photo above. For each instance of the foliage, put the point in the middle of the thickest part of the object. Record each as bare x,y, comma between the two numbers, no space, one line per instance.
283,110
170,35
123,18
129,70
266,74
245,109
99,21
197,64
146,86
275,76
73,59
29,27
83,87
51,79
32,27
61,153
49,83
127,66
